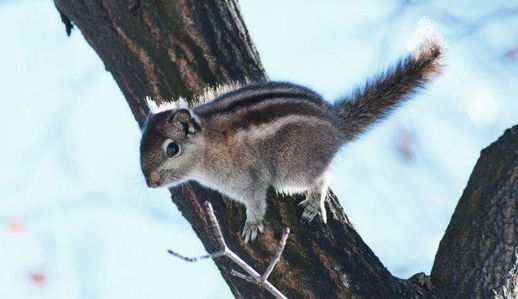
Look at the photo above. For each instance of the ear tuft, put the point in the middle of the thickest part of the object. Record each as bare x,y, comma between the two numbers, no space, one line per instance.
182,104
155,108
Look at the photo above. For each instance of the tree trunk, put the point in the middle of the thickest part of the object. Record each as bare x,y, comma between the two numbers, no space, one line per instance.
167,49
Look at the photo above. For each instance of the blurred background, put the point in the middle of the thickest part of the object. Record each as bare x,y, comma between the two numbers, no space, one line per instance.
77,221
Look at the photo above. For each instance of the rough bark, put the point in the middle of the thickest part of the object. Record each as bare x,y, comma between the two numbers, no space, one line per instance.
166,49
478,256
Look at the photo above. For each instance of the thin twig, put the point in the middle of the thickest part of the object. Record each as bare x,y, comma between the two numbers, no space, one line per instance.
186,258
243,276
195,259
277,255
215,225
253,276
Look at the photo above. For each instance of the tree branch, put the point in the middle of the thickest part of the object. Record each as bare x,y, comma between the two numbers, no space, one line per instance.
477,257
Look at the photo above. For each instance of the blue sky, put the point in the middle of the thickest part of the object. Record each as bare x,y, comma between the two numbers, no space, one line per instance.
77,221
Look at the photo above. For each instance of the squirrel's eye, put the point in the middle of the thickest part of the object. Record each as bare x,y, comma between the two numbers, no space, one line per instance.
171,148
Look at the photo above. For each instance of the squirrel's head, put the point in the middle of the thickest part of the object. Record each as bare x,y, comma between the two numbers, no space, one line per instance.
169,147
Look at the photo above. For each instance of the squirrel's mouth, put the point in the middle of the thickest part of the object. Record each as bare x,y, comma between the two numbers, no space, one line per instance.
162,179
153,183
155,179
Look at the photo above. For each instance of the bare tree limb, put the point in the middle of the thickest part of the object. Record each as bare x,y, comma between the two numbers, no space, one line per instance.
477,257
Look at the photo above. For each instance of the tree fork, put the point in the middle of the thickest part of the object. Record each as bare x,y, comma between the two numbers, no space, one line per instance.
166,49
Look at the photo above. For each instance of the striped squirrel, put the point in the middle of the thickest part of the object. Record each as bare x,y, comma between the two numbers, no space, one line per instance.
246,138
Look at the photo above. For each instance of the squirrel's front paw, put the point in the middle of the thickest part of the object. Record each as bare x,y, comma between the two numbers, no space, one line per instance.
251,230
311,209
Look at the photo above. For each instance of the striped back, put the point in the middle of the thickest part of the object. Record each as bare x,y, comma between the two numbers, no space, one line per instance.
263,103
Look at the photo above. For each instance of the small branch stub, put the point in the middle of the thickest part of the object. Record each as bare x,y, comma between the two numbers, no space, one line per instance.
253,276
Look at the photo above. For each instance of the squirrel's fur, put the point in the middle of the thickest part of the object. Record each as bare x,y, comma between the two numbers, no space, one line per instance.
245,138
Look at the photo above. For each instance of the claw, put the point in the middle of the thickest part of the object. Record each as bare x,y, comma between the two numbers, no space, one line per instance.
323,214
244,233
261,228
303,203
311,210
251,231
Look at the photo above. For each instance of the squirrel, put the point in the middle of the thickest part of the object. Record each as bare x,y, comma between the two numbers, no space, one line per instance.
246,138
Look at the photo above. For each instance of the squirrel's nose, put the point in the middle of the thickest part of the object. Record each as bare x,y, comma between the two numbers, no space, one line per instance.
152,179
152,182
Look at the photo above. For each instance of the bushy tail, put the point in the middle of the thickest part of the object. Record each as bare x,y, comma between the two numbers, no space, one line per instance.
380,96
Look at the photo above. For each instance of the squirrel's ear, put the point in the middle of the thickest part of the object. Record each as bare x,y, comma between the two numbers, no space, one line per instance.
185,120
